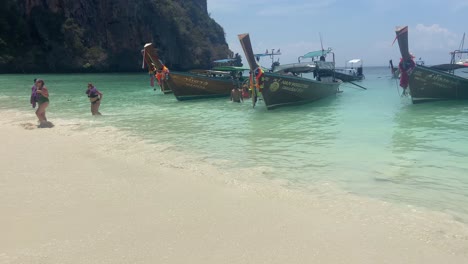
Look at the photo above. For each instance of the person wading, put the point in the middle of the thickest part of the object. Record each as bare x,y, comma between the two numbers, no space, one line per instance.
236,95
95,97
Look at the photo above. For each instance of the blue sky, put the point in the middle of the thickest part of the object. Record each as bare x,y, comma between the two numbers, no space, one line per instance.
353,28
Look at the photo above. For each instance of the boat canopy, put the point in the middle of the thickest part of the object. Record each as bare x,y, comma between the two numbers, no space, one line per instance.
302,67
210,72
317,53
262,55
448,67
272,53
230,68
459,51
223,60
354,61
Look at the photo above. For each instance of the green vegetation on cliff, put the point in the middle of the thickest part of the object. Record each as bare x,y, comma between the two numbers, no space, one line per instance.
88,36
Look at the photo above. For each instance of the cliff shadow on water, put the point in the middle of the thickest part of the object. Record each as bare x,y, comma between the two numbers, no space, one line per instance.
106,36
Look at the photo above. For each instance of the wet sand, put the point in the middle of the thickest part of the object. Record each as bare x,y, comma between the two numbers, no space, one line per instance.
79,196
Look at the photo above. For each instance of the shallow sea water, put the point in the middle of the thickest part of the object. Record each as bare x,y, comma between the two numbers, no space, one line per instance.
372,143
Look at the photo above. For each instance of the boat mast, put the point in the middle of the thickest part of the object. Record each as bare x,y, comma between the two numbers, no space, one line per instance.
321,42
323,54
462,44
459,51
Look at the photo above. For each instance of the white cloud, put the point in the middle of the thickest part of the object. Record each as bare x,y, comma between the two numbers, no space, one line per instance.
434,29
433,38
459,5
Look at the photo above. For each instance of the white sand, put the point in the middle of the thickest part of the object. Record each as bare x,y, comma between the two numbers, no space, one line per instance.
69,196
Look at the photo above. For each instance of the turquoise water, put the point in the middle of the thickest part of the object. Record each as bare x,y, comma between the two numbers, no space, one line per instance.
372,143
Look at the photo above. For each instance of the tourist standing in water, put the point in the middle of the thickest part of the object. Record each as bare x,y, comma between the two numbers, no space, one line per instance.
95,98
236,95
40,95
245,92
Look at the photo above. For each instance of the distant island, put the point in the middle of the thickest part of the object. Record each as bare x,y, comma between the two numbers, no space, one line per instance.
106,36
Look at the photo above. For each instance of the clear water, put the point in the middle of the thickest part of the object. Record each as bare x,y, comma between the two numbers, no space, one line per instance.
372,143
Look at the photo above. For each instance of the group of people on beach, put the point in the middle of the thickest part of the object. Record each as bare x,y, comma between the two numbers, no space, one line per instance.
40,97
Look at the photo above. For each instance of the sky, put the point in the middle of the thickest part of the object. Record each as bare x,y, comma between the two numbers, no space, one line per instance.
362,29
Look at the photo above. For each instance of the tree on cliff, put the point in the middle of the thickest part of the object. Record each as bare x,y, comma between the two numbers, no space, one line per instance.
88,35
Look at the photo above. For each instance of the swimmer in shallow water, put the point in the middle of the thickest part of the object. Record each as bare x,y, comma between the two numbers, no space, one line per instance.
236,95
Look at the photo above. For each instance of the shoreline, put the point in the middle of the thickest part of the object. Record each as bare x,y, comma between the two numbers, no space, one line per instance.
69,196
136,71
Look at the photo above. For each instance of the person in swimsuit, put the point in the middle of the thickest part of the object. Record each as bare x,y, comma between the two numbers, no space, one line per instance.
236,95
41,96
245,92
95,97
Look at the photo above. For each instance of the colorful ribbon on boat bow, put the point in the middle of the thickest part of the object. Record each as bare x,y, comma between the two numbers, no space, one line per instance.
405,68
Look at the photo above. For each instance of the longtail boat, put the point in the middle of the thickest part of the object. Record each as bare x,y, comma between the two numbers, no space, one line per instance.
434,83
199,84
347,74
155,67
280,89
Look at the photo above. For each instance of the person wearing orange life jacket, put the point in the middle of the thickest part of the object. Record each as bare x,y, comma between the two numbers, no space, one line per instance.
165,72
258,76
159,76
165,69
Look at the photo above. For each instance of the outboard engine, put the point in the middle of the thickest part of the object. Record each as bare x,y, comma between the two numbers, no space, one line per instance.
359,71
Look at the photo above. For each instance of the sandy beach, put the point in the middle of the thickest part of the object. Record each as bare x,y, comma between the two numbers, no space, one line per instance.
70,195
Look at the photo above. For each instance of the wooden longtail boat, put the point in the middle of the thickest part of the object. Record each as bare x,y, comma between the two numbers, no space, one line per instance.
429,83
280,90
346,74
204,83
151,59
349,74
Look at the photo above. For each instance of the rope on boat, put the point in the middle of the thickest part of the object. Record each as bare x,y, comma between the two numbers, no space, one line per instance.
397,87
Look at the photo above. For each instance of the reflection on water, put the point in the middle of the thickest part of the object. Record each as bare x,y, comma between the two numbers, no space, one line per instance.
430,149
369,142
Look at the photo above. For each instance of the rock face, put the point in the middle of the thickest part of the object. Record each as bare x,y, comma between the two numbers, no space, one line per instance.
106,35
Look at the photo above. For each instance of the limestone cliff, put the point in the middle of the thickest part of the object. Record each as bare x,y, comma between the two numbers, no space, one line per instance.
106,35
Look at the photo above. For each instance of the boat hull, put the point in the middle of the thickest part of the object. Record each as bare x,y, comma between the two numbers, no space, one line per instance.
341,75
165,88
427,84
188,86
282,90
